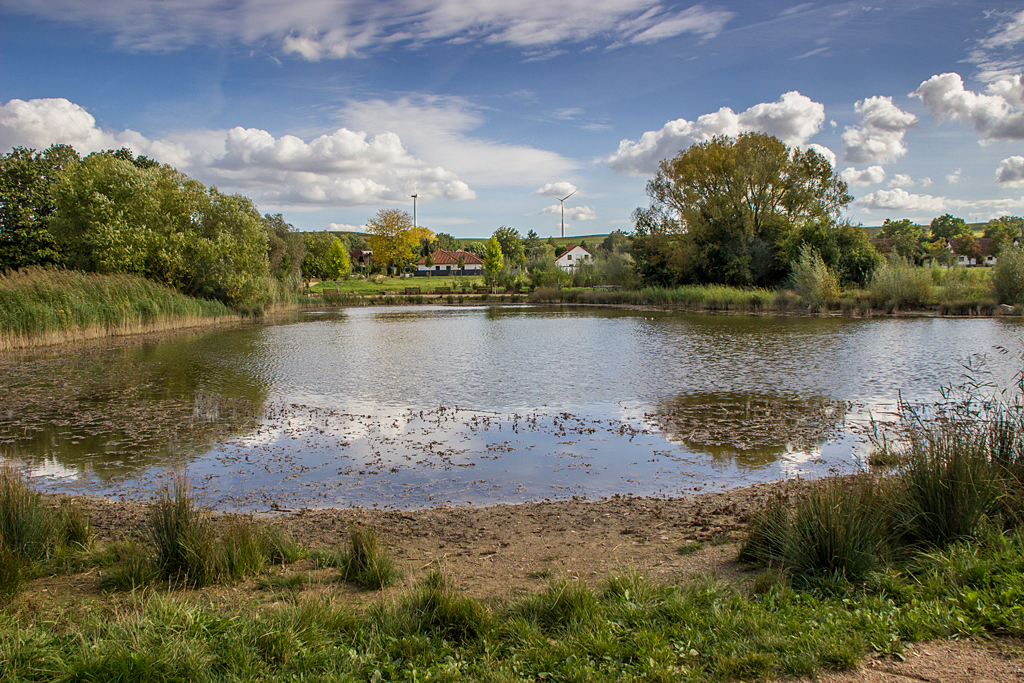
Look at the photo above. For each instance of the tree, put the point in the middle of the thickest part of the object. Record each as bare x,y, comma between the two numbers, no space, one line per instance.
939,251
286,248
967,245
337,263
429,263
948,226
492,259
394,239
318,247
844,249
721,209
27,204
903,237
447,242
1003,231
511,245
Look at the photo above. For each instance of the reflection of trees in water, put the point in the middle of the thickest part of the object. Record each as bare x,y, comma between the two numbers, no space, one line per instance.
750,429
110,413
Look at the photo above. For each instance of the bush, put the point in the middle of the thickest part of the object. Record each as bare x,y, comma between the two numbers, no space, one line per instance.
182,536
813,281
364,562
898,283
26,526
837,529
1008,276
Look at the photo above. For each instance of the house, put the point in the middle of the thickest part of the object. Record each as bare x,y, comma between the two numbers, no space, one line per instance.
360,259
447,263
984,249
573,256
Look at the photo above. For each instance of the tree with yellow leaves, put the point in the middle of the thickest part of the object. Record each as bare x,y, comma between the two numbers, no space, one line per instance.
393,239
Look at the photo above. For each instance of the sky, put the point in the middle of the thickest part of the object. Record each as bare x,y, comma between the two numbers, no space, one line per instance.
492,110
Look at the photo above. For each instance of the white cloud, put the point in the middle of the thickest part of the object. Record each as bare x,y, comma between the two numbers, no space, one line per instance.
954,177
879,137
345,168
872,175
903,203
559,190
996,55
794,118
317,29
997,114
344,227
925,182
574,213
437,128
902,180
1011,171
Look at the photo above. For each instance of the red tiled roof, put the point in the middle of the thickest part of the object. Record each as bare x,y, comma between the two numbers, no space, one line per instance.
571,247
442,257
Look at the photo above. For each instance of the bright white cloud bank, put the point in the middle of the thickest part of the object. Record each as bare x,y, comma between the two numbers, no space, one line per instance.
560,189
872,175
1011,172
794,118
344,168
879,137
318,29
997,114
901,203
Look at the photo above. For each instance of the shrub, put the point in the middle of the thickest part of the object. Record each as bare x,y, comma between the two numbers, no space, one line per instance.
365,563
898,283
813,281
1008,276
182,535
26,525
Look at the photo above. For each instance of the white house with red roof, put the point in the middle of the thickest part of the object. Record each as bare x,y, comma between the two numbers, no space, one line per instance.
573,256
447,263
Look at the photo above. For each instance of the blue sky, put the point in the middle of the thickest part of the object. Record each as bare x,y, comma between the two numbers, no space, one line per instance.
327,111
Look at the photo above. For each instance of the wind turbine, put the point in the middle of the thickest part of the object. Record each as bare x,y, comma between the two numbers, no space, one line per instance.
563,208
414,210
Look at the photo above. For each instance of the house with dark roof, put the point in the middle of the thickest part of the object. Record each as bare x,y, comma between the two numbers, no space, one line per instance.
447,263
984,256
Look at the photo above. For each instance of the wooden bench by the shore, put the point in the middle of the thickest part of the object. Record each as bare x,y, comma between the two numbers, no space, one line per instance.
412,290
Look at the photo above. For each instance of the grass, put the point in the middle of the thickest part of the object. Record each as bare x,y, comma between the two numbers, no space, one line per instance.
379,285
627,628
39,305
363,562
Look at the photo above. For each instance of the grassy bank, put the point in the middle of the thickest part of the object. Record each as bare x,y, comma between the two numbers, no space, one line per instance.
40,307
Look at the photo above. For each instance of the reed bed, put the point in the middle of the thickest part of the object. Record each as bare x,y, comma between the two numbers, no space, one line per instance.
697,297
40,307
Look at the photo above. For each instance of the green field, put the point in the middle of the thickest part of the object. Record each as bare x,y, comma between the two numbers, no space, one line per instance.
395,284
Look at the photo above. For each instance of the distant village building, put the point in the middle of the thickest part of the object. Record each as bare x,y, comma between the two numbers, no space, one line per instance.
361,259
984,247
447,263
573,256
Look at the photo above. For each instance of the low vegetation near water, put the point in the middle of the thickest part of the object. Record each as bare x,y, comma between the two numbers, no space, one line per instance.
851,566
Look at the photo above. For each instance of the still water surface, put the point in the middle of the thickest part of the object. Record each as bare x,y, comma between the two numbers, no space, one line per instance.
408,407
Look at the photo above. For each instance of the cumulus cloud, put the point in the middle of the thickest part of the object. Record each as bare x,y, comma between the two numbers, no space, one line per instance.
439,128
901,202
574,213
997,114
794,118
872,175
344,168
879,137
319,29
1011,171
954,177
902,180
344,227
559,190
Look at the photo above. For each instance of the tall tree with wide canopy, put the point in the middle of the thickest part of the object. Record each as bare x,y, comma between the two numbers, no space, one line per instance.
721,210
394,239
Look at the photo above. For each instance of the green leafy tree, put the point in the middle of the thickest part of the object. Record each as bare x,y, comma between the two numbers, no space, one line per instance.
27,182
948,226
429,263
1008,276
967,245
531,244
844,248
903,236
286,248
1003,231
939,251
337,263
721,209
447,242
318,246
492,259
511,245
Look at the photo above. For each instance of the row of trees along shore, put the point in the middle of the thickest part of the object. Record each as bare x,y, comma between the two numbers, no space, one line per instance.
747,213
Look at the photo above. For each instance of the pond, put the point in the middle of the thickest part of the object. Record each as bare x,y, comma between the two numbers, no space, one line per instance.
415,406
